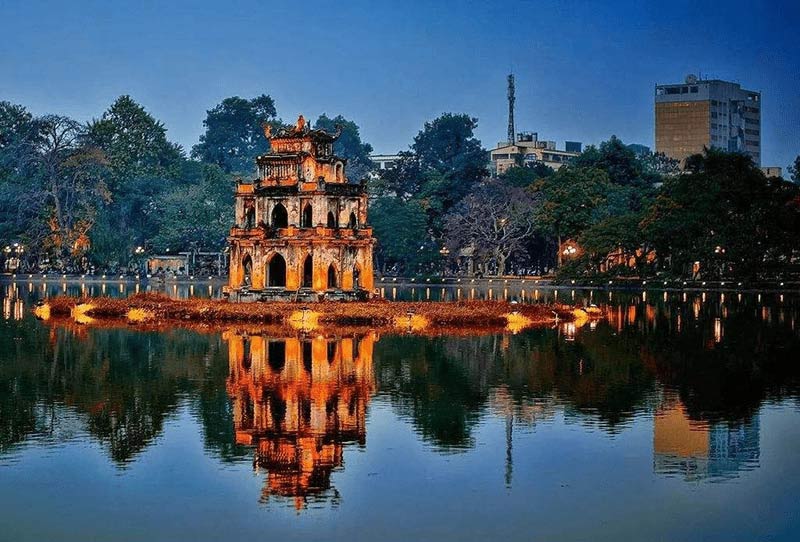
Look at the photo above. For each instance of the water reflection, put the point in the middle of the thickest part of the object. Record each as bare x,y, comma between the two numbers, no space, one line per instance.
696,450
298,401
691,374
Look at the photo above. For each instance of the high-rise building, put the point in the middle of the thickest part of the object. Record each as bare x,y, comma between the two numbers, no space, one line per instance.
711,113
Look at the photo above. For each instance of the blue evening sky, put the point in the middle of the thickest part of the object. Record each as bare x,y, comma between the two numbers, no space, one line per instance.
584,70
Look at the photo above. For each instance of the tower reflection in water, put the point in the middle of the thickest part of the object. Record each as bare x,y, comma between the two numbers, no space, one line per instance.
299,401
698,450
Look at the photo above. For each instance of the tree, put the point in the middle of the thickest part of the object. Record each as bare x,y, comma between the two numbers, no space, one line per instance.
135,144
19,135
349,145
726,215
523,177
72,188
794,170
234,133
144,165
403,239
493,222
571,199
619,161
197,216
448,146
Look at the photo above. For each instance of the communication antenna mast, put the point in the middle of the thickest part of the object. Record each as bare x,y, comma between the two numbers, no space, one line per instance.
511,132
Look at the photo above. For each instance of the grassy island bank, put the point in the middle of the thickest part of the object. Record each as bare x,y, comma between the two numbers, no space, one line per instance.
149,309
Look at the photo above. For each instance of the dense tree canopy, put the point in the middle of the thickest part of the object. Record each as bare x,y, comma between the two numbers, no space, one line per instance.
234,133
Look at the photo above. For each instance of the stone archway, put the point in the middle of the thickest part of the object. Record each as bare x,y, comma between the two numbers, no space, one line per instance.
353,221
276,271
331,220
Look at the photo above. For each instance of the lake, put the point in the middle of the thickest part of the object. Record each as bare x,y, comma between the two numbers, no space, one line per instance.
676,417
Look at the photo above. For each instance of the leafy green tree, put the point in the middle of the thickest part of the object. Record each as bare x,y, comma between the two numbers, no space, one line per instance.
524,176
571,199
725,214
448,146
794,170
619,161
144,165
197,216
234,133
619,232
403,239
349,145
135,144
19,135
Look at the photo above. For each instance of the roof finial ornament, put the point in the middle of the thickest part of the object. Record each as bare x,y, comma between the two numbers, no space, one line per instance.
301,124
267,127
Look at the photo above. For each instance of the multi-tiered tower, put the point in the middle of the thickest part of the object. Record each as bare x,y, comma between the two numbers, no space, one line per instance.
300,227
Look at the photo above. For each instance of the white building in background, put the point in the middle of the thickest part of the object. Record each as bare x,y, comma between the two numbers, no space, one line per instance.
384,161
528,150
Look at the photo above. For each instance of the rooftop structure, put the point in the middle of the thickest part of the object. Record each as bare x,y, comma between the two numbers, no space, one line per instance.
528,149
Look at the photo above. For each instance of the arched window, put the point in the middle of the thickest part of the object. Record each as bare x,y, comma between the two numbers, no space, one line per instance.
332,282
247,268
331,220
353,221
356,277
249,215
276,271
339,169
279,218
308,272
307,218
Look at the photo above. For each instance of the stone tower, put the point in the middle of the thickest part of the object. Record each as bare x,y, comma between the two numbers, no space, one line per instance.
300,230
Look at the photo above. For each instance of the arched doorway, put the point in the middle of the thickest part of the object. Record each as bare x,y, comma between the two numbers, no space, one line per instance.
308,272
353,221
331,220
276,271
332,282
307,218
247,270
280,217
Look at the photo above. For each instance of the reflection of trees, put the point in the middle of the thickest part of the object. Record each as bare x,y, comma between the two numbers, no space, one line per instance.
444,384
123,385
721,378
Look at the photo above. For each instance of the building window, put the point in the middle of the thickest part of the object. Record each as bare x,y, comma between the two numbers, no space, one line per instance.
307,218
693,90
276,271
308,272
279,218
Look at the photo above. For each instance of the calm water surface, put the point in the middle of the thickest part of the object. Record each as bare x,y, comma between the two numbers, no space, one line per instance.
675,418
